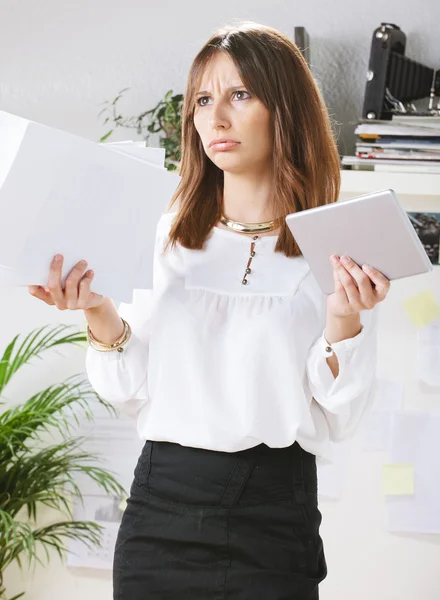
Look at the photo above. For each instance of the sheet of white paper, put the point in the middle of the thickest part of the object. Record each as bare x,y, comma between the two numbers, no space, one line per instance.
332,476
416,440
11,136
428,354
375,431
155,156
18,213
106,512
82,199
115,440
8,276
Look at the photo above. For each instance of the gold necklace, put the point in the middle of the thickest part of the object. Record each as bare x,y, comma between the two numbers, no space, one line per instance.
249,227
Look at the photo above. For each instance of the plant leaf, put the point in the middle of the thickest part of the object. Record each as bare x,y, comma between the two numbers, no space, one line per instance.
106,136
31,347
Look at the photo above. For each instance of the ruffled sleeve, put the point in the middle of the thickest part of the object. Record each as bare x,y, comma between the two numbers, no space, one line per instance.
121,378
345,399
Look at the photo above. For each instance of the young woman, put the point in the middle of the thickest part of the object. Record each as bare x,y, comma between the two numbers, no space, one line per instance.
239,370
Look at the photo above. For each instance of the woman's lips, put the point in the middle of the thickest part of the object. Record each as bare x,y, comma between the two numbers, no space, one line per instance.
222,146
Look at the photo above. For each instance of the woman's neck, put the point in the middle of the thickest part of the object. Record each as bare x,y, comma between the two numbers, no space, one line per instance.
248,198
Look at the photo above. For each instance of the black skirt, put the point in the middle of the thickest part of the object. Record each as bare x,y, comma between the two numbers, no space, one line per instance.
207,525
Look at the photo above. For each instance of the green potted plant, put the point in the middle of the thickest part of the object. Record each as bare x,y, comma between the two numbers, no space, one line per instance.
35,473
165,119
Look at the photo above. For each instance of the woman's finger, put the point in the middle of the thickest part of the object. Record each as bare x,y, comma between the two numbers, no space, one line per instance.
366,295
339,288
41,293
84,289
54,283
349,286
72,284
382,283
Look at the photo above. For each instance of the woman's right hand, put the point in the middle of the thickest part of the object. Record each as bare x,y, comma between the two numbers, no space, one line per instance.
75,296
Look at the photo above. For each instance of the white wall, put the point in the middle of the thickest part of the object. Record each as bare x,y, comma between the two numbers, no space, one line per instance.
58,62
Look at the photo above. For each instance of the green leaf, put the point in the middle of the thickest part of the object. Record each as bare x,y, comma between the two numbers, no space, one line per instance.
34,473
30,347
49,409
17,596
102,111
121,93
106,136
165,118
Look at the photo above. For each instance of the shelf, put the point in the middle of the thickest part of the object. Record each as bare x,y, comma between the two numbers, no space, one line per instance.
410,184
416,191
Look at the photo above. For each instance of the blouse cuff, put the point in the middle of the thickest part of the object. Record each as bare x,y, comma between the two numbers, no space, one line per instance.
343,347
119,377
353,354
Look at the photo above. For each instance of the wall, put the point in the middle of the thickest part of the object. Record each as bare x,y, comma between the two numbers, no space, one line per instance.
59,62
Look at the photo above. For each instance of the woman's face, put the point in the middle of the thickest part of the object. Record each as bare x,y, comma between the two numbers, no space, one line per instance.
225,110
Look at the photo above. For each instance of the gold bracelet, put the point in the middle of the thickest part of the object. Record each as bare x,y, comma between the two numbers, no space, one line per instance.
117,345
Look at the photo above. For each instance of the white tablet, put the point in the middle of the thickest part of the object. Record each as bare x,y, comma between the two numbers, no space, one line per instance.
372,229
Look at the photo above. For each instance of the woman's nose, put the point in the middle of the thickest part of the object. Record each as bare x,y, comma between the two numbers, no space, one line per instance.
219,116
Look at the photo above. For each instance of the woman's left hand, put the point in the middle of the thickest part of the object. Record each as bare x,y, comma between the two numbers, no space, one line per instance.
349,298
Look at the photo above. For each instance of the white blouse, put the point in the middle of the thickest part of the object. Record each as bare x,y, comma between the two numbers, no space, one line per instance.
216,364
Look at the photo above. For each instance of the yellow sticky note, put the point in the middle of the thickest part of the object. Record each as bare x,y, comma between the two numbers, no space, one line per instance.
398,479
123,505
423,308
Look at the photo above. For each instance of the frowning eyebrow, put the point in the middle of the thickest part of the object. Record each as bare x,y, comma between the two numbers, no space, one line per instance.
229,89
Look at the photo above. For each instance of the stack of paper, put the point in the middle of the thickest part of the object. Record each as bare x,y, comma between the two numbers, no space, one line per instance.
60,193
405,141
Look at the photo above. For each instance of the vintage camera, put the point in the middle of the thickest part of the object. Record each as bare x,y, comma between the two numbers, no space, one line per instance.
394,81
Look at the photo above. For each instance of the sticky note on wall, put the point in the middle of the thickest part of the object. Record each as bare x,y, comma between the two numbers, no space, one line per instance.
423,308
398,479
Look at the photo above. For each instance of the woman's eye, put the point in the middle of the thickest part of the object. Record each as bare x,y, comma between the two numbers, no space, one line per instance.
201,101
241,92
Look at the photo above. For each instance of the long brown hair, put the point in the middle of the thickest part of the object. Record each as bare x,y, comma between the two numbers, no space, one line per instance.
305,167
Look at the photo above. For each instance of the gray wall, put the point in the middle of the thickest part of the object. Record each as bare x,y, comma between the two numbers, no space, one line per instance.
59,61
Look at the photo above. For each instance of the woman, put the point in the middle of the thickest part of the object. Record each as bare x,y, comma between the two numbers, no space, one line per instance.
239,370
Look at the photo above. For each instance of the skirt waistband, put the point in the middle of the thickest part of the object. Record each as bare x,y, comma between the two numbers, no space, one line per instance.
251,476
